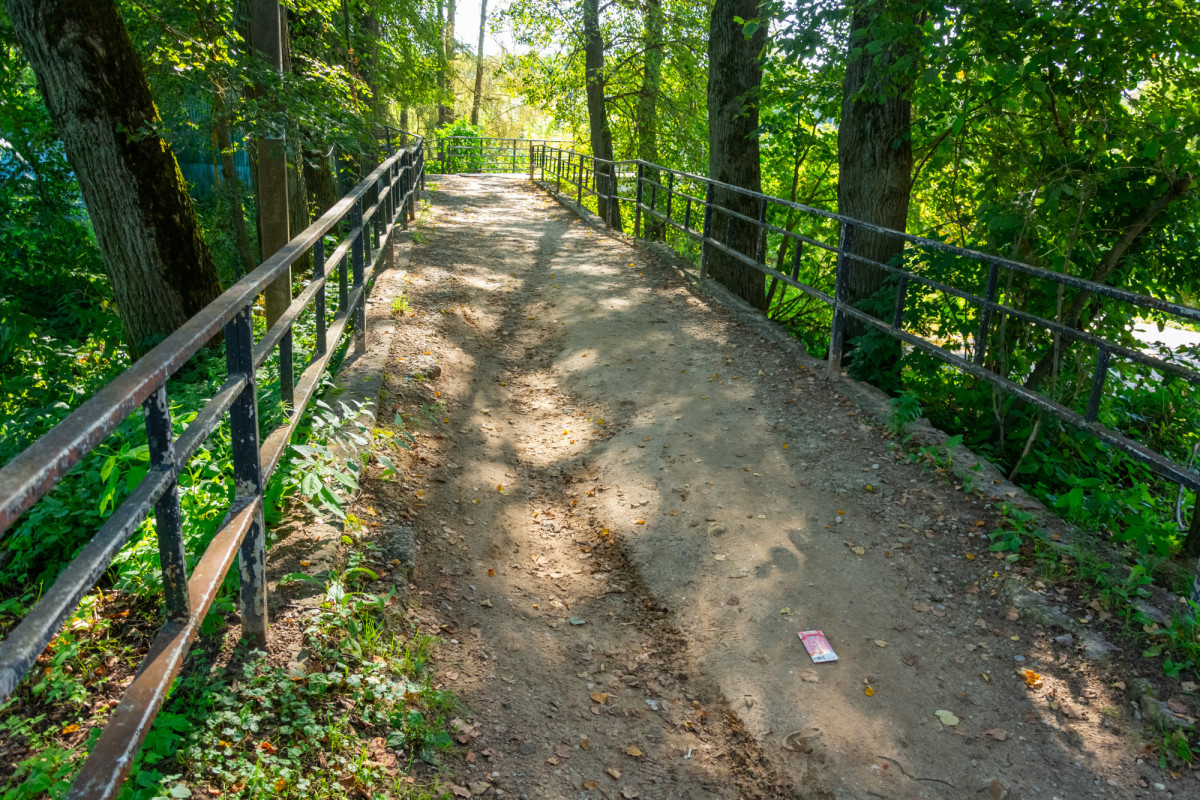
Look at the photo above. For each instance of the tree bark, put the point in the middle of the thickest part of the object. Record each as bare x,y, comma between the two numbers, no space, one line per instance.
267,37
95,89
318,177
232,185
734,78
647,107
446,112
600,133
475,102
875,157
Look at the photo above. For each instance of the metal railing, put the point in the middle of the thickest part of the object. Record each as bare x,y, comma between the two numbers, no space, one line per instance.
471,154
371,210
689,204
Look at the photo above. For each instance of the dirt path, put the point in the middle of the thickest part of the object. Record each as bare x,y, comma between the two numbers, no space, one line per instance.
630,505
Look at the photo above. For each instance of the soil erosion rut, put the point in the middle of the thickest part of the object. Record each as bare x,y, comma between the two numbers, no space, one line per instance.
633,503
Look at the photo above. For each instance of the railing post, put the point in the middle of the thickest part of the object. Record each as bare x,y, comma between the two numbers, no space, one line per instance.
247,478
760,248
901,297
318,258
558,174
608,195
579,192
985,316
287,371
1098,377
531,162
705,249
359,310
637,202
168,519
837,333
670,197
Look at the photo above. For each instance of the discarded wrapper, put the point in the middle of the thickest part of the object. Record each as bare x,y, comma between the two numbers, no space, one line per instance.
817,646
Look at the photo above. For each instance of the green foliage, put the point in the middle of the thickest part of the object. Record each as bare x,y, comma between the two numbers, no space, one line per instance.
464,148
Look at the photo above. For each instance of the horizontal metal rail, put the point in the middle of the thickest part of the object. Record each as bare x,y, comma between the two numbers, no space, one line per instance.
370,213
663,195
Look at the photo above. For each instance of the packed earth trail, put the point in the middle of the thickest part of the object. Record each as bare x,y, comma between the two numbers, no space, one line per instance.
627,503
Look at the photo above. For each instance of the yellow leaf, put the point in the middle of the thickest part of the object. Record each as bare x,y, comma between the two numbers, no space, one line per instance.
306,563
633,751
599,698
970,556
70,728
869,692
1032,679
786,611
280,785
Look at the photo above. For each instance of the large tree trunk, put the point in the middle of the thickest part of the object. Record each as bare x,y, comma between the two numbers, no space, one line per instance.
232,185
600,134
734,78
875,156
93,84
475,101
647,107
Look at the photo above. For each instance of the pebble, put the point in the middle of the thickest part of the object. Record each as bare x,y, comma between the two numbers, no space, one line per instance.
1019,659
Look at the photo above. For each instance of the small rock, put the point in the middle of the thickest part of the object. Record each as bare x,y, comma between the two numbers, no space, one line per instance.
715,529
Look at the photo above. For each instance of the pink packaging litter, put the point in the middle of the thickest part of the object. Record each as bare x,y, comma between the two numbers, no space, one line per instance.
818,646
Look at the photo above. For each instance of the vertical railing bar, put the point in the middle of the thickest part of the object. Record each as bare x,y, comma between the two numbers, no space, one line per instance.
760,248
837,332
637,203
359,310
318,258
247,477
1098,377
901,298
706,234
985,315
670,198
168,517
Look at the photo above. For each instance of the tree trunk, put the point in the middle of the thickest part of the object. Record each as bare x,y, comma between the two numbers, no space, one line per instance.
875,156
318,177
232,185
446,112
94,87
647,107
268,36
479,64
600,134
734,78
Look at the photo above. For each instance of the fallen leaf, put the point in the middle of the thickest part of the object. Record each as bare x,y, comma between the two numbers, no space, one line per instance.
70,728
999,734
267,747
486,603
280,785
628,793
614,773
633,751
1179,707
786,611
880,643
591,786
947,717
599,698
810,676
924,608
1032,679
858,551
719,557
869,692
306,563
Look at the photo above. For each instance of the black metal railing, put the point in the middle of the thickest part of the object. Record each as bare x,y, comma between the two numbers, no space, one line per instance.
473,154
698,209
369,213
